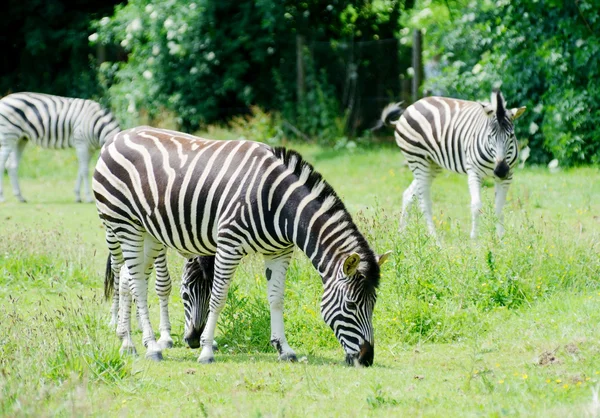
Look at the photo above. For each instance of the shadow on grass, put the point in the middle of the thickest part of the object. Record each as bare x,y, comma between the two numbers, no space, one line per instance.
191,356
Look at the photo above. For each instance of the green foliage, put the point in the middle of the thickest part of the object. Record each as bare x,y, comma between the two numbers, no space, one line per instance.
543,54
210,60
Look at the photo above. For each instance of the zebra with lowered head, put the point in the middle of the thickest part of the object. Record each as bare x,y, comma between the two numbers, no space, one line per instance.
156,188
51,122
466,137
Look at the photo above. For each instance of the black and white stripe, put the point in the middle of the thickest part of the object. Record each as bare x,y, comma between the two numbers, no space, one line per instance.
157,189
472,138
51,122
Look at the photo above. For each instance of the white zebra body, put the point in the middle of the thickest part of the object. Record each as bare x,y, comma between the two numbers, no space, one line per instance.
51,122
466,137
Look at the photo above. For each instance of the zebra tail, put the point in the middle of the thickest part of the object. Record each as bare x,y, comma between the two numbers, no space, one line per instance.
109,279
391,113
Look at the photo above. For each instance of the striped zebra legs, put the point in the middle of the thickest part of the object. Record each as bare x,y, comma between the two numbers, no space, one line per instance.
407,201
124,325
475,191
501,189
83,156
420,186
163,290
226,261
140,253
276,268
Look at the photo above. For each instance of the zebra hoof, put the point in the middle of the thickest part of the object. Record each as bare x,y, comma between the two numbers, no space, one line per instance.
21,199
128,351
154,355
291,357
206,360
165,344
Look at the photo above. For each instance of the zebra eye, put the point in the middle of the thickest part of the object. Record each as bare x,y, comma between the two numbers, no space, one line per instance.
351,305
185,296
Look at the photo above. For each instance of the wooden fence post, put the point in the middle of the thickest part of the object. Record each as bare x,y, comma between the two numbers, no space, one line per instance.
417,63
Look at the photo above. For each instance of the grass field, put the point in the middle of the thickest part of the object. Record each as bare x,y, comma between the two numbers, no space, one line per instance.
485,328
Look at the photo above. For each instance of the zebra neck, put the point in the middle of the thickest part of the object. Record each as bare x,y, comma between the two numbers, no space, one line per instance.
327,239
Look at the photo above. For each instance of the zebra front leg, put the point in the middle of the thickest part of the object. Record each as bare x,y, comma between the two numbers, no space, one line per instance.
501,189
276,268
163,290
4,154
83,157
475,191
124,325
140,253
225,265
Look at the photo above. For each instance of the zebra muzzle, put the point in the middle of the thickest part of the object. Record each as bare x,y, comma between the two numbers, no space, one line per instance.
363,358
502,169
192,338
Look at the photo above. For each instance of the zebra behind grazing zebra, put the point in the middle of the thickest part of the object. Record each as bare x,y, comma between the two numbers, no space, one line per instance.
51,122
156,188
196,286
462,136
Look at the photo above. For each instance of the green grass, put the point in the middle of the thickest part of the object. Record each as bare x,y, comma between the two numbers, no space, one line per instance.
485,328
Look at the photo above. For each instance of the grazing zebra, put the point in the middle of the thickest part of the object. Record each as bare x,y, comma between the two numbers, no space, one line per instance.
51,122
462,136
156,188
196,286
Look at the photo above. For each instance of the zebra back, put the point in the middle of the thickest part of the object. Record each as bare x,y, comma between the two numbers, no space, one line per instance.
54,121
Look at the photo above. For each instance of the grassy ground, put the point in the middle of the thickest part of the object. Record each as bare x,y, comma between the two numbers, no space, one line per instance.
486,328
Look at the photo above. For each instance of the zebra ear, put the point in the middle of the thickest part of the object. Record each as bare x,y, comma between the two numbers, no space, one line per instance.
382,258
517,112
351,264
487,108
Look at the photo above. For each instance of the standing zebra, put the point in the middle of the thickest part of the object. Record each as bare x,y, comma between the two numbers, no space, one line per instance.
51,122
462,136
156,188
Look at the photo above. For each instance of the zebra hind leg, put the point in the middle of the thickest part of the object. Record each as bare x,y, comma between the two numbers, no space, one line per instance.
83,156
425,178
139,254
407,201
163,290
124,325
276,268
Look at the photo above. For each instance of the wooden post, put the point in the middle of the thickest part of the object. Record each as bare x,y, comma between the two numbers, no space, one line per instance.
300,67
417,63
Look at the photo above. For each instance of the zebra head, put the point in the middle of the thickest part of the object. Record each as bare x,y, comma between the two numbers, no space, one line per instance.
347,306
502,142
196,287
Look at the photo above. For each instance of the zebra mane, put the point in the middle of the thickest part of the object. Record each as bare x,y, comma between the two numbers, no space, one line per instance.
315,182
